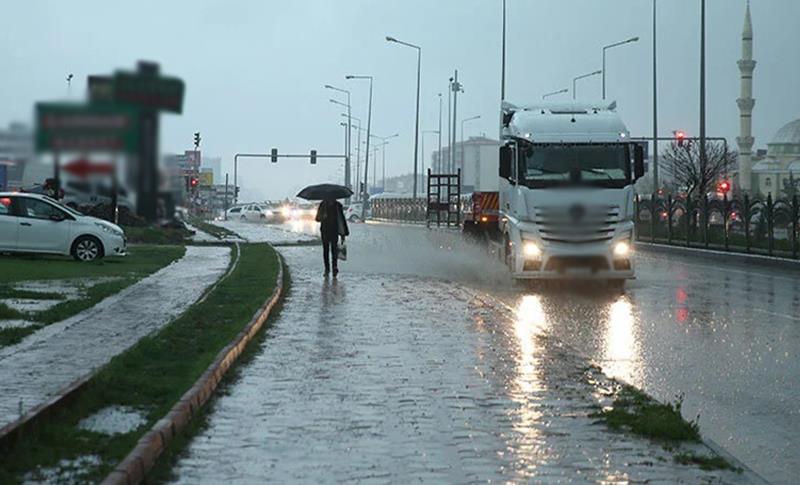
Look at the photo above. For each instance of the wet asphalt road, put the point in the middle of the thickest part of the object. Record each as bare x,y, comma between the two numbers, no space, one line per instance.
725,336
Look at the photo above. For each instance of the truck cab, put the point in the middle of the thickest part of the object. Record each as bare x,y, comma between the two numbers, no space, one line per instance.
566,191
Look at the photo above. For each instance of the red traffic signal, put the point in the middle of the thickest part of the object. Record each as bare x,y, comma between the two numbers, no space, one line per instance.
194,182
724,187
680,136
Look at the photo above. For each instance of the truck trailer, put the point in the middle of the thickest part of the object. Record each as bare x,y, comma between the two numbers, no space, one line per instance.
566,192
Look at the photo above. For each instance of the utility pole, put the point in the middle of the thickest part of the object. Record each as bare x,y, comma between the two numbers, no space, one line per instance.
456,89
450,126
503,56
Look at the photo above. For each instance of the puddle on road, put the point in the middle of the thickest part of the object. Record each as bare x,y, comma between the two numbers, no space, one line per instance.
26,305
114,420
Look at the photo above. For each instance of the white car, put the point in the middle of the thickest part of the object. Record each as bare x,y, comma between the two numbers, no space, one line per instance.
34,223
251,212
353,212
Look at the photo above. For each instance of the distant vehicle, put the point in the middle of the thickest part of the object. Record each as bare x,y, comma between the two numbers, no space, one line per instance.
353,212
249,212
34,223
87,193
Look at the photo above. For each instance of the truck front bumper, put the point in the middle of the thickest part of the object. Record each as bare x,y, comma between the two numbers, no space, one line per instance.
593,262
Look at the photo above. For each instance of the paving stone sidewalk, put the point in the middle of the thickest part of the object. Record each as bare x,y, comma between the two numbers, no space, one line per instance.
383,378
37,368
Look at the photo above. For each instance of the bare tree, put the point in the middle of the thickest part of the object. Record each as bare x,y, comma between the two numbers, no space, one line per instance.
684,165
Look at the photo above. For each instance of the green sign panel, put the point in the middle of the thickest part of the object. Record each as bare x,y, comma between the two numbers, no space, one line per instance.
86,127
149,92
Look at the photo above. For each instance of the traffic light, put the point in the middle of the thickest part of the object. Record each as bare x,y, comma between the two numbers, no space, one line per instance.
194,182
273,155
196,140
680,137
724,187
313,157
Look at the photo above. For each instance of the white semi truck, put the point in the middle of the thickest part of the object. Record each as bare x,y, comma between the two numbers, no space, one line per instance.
566,191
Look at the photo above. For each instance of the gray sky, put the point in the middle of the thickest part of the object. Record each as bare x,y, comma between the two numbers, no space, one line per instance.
255,69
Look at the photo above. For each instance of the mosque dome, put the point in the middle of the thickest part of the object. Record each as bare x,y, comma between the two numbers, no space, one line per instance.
788,135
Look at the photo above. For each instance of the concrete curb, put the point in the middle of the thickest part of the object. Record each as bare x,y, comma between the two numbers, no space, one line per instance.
725,256
134,468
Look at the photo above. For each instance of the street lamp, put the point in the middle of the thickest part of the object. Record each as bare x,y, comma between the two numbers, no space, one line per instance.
554,93
384,142
358,145
477,117
655,99
575,80
366,160
347,181
416,122
610,46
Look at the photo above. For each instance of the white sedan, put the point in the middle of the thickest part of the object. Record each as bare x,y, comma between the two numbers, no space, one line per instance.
33,223
250,212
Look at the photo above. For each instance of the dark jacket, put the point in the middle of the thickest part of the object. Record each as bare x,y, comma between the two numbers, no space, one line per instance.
331,219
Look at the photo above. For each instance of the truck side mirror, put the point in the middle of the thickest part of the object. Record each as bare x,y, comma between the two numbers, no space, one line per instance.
638,162
505,161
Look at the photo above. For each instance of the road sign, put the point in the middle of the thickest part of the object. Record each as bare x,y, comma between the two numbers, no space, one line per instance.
81,127
153,92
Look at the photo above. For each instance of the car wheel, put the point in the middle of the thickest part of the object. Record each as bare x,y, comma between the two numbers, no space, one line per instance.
243,217
87,248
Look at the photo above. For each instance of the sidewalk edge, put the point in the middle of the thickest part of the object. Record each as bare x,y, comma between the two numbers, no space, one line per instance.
134,468
770,261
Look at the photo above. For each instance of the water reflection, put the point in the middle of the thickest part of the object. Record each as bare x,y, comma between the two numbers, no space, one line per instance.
529,322
621,347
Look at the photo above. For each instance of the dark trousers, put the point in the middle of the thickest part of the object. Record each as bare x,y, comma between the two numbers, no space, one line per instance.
330,249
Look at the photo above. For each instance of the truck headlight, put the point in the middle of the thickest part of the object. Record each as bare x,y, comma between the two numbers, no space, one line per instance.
622,249
531,250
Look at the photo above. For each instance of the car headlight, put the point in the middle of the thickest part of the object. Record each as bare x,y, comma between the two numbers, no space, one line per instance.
622,249
269,213
530,250
108,229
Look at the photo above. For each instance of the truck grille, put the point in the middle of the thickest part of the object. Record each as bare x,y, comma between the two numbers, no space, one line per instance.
576,224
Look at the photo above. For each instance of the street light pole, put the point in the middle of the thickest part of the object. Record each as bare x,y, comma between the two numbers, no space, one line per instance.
347,165
366,160
575,81
503,57
703,84
456,88
416,122
450,125
439,156
655,101
610,46
554,93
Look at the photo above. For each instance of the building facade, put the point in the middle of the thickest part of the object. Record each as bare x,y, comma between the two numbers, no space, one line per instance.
16,152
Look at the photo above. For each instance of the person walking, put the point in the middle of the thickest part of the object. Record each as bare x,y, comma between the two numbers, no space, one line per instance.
333,226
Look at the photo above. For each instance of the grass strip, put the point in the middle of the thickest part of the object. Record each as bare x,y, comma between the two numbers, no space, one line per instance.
156,235
707,463
151,377
635,411
9,292
141,262
214,230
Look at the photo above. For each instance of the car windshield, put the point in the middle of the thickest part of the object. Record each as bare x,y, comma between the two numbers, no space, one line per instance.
605,165
64,207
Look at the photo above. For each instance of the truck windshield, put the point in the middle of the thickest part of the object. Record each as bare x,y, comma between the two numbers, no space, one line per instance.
549,165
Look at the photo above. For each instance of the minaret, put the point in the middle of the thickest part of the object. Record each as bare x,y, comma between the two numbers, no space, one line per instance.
746,102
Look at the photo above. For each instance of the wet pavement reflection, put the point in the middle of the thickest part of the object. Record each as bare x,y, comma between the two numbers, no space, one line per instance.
392,374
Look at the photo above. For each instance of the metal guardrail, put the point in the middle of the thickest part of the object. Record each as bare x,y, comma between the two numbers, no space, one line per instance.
739,224
401,210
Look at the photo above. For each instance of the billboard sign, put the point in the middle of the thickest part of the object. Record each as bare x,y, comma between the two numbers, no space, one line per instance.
80,127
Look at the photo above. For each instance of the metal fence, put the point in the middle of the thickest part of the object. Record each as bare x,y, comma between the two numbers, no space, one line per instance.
401,209
740,224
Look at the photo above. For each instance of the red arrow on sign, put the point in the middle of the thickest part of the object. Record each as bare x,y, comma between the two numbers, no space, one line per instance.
83,168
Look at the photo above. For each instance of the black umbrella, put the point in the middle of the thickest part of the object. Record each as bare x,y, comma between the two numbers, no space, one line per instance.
325,191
